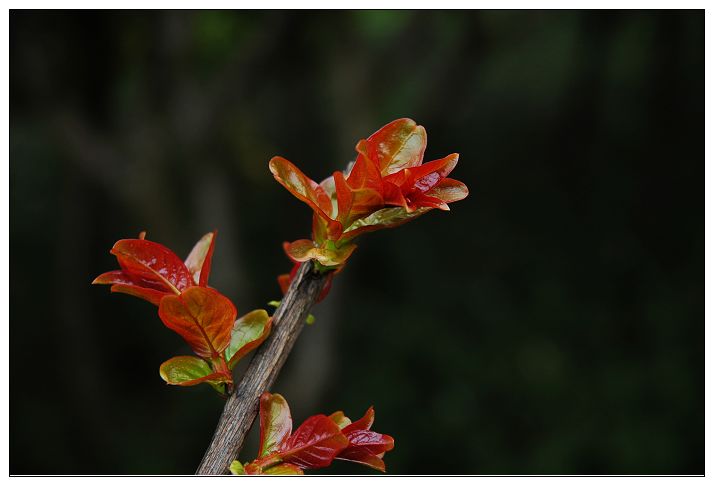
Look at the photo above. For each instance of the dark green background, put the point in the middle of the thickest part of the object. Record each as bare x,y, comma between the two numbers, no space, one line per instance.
551,323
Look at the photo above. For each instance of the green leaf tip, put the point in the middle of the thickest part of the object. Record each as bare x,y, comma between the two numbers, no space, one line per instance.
236,468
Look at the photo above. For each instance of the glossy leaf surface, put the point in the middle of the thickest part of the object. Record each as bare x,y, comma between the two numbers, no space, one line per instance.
426,176
365,446
276,424
314,444
397,145
364,423
113,277
386,186
362,456
202,316
248,332
150,264
409,188
148,271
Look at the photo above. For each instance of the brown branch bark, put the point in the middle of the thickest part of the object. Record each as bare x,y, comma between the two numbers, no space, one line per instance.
242,406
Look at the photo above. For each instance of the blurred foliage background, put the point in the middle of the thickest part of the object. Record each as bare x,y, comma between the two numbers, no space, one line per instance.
551,323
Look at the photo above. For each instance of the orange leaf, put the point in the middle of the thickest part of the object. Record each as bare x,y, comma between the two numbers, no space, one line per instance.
202,316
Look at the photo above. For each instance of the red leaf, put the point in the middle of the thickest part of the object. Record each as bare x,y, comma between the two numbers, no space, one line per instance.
123,284
306,190
364,177
113,277
149,264
365,183
275,423
198,261
421,175
314,444
365,446
202,316
284,281
421,201
410,188
326,289
301,186
363,457
150,295
343,195
150,270
365,423
387,185
393,194
428,175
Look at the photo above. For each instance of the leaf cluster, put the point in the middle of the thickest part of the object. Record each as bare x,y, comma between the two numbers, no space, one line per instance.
315,444
387,185
202,316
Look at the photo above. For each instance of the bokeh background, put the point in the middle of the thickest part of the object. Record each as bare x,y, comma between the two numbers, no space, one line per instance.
551,323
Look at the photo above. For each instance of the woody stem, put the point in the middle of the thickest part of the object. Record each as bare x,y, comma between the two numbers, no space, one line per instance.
241,407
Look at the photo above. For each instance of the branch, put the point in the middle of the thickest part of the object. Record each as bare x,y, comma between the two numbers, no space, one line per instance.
242,406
